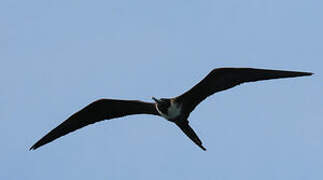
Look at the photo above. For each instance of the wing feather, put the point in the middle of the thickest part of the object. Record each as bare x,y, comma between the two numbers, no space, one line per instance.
224,78
97,111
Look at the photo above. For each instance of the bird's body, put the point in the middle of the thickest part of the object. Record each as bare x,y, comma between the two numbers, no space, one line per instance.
176,110
172,112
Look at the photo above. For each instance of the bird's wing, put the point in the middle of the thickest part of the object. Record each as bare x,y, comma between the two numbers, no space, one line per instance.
185,127
97,111
224,78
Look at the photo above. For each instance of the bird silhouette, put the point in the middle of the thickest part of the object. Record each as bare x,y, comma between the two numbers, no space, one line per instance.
176,109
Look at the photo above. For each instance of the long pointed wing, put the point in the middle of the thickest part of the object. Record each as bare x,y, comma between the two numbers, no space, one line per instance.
97,111
185,127
224,78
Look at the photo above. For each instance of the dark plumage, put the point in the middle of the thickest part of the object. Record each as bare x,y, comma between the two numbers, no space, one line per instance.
175,109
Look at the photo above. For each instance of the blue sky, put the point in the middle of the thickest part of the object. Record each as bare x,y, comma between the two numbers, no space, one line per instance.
58,56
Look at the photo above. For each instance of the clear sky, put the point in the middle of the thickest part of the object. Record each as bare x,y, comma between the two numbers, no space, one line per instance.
58,56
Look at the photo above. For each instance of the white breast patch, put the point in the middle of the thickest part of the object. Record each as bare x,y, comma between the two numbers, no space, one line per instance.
174,110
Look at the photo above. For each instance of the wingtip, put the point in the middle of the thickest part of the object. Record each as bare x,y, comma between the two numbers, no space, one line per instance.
202,147
32,148
308,73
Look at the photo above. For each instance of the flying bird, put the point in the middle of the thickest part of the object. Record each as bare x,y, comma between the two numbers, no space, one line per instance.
176,109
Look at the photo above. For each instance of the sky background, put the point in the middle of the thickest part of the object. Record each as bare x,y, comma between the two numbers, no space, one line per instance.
58,56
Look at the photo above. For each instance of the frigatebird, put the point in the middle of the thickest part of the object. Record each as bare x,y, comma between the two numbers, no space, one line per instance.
176,109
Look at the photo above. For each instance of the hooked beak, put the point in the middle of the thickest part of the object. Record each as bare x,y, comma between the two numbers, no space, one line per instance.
156,100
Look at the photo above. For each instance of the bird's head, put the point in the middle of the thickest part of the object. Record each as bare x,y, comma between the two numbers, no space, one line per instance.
162,104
